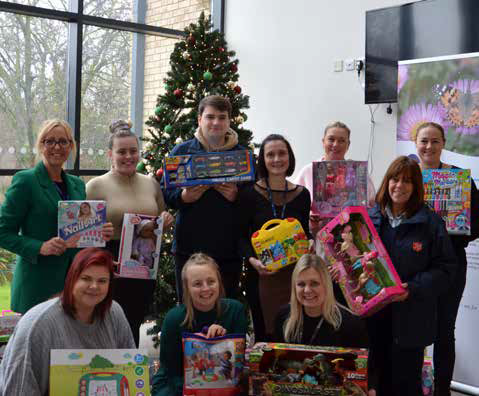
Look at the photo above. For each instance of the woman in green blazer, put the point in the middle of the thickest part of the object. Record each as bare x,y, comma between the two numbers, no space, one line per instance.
28,218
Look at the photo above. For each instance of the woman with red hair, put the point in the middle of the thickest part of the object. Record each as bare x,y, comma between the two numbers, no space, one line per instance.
84,316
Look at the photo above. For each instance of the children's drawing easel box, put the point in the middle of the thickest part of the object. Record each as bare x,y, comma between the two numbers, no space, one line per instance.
80,223
367,276
109,372
290,369
140,246
280,243
448,193
213,366
208,168
337,184
8,321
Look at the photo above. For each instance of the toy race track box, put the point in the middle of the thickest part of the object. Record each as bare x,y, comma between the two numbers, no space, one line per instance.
213,366
337,184
140,246
87,372
8,321
367,276
291,369
448,193
208,168
80,223
280,243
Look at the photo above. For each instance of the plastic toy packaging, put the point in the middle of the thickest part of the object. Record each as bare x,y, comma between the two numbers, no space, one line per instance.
427,377
213,366
80,223
8,321
367,276
448,193
337,184
280,243
208,168
290,369
140,246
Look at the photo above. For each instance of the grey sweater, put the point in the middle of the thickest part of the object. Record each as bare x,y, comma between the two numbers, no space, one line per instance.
26,364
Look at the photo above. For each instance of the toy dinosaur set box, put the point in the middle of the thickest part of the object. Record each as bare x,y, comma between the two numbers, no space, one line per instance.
289,369
208,168
367,276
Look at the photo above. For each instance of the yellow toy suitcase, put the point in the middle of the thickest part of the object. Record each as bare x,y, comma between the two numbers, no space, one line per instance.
280,243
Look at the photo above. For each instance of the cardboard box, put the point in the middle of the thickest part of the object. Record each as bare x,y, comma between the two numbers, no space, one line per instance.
8,321
367,276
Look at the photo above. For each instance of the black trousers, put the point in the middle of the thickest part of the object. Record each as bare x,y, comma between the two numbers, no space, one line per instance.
230,270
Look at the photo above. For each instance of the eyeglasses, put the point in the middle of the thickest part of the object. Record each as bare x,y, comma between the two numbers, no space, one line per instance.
53,142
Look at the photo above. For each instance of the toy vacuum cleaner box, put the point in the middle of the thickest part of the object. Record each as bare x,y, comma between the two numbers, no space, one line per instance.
337,184
448,193
208,168
213,366
87,372
367,276
80,223
140,246
291,369
280,243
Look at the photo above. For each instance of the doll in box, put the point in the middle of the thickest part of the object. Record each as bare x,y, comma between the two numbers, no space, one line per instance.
144,244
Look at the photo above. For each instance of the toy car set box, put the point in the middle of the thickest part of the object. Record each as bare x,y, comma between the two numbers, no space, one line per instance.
277,369
367,276
208,168
280,243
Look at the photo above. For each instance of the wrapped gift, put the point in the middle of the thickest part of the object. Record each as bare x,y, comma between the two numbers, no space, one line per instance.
367,276
280,243
208,168
292,369
448,193
337,184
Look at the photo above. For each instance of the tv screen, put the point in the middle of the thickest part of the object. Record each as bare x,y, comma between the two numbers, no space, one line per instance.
424,29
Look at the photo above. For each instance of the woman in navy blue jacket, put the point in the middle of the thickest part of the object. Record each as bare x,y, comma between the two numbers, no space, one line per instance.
421,251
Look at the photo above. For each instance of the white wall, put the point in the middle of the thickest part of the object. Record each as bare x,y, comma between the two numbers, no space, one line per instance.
286,51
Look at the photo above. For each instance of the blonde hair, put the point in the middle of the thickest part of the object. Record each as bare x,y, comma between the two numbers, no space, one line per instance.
46,127
294,324
199,259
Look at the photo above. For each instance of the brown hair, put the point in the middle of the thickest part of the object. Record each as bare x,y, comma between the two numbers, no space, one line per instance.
261,166
337,124
47,126
402,166
119,129
220,103
432,125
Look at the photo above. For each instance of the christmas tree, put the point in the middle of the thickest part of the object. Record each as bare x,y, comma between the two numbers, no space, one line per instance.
201,65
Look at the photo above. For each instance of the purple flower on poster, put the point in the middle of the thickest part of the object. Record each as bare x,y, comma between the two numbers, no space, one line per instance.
403,76
416,115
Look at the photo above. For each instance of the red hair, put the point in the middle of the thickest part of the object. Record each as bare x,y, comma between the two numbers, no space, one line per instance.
84,259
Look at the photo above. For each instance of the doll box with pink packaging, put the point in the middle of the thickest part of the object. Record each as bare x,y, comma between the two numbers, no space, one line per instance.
140,246
367,276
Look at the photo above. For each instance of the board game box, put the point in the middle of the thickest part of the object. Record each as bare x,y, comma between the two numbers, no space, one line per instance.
208,168
80,223
337,184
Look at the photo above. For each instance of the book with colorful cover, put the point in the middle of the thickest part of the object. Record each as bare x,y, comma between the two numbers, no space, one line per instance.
80,223
448,192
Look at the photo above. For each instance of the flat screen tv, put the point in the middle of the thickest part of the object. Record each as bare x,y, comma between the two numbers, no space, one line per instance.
423,29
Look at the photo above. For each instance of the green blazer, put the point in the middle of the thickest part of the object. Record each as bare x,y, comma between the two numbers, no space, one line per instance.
28,217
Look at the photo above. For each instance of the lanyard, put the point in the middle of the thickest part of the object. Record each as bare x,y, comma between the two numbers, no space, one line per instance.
270,195
315,332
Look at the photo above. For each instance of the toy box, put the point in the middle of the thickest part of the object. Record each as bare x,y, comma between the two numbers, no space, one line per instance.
8,321
208,168
213,366
448,193
367,276
140,246
427,377
337,184
291,369
88,372
80,223
280,243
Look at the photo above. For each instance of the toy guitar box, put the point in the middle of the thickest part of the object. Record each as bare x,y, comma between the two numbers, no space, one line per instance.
108,372
140,246
280,243
337,184
367,276
291,369
208,168
213,366
8,321
80,223
448,193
